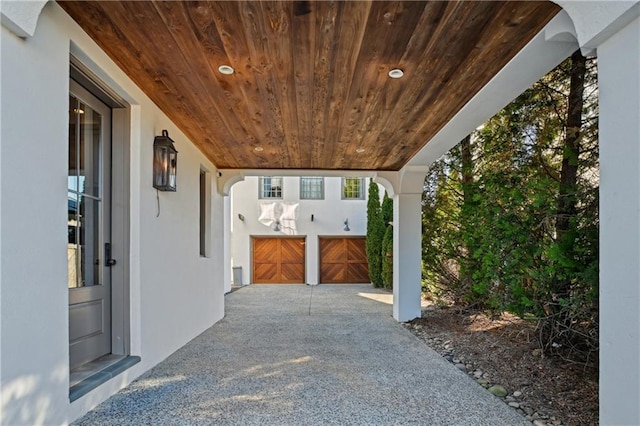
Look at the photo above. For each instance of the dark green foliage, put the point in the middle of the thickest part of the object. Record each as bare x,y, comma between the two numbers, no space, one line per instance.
510,216
375,233
387,258
387,242
387,209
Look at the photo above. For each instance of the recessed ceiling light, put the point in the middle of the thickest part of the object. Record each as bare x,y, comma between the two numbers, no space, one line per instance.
359,150
258,149
396,73
226,69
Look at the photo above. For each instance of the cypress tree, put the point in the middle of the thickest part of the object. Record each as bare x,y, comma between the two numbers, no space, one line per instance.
387,209
387,241
375,232
387,258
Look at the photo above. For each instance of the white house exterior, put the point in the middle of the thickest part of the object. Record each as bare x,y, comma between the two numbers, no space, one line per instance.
311,216
169,292
172,250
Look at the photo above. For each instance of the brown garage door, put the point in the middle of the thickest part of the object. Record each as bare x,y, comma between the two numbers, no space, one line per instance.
343,260
278,260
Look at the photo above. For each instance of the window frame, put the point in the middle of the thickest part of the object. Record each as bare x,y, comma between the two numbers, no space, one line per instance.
315,179
262,193
361,189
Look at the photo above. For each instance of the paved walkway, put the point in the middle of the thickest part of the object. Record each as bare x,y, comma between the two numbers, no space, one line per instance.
303,355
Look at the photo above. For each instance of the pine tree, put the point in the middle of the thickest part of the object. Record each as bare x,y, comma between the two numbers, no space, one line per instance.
510,217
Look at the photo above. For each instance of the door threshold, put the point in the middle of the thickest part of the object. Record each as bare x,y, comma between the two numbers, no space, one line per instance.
85,378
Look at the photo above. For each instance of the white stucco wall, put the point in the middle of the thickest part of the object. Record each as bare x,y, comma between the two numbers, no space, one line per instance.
329,216
175,294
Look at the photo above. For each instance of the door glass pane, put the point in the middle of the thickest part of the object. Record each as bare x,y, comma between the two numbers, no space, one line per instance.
83,201
89,242
73,248
89,164
74,107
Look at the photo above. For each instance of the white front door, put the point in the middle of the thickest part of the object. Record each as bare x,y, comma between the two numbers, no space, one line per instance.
89,226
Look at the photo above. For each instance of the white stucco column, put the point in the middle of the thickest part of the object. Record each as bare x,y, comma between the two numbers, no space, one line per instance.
619,87
407,256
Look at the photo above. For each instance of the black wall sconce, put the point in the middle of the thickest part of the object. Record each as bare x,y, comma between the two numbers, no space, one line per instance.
165,163
311,218
277,227
346,225
241,217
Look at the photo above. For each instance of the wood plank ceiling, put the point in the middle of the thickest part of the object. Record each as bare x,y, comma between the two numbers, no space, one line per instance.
310,86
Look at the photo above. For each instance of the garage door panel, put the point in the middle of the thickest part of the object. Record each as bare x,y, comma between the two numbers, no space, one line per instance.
333,273
292,273
356,250
278,260
358,273
343,260
265,250
292,251
265,273
332,250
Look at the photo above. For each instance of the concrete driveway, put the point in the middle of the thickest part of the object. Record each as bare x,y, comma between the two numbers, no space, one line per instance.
303,355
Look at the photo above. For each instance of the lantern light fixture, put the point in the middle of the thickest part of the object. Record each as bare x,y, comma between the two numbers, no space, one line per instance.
165,163
277,227
346,225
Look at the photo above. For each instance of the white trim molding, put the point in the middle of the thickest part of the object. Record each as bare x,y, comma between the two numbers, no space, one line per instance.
21,17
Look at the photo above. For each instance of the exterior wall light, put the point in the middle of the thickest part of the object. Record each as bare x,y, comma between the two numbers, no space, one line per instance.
165,163
346,225
241,217
277,227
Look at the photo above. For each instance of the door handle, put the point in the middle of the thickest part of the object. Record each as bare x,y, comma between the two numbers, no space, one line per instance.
107,255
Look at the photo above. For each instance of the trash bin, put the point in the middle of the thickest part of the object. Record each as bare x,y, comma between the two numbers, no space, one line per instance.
237,275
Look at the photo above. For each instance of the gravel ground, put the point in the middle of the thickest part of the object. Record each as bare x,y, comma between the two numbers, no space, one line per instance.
302,355
503,352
